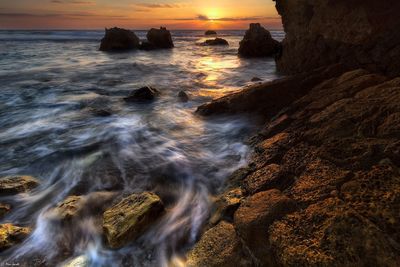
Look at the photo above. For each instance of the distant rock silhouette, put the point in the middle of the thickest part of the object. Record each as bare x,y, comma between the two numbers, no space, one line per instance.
159,38
258,42
143,94
119,39
210,32
216,41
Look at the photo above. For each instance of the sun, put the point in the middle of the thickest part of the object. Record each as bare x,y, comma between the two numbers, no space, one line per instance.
213,14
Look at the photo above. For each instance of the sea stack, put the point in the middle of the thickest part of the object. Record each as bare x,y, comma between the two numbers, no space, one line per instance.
159,38
258,42
119,39
210,32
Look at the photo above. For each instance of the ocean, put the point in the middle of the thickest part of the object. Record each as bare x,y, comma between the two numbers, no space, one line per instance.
50,83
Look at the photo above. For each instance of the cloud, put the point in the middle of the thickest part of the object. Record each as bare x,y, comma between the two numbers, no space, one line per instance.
59,15
155,5
201,17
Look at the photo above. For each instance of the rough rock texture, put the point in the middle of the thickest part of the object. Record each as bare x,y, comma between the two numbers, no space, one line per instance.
333,151
119,39
11,235
129,218
146,93
226,205
11,185
258,42
4,209
160,38
216,41
357,33
218,247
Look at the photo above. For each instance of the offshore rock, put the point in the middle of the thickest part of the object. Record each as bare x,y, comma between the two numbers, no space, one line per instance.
11,235
183,96
143,94
160,38
216,41
210,32
128,219
258,42
11,185
119,39
218,247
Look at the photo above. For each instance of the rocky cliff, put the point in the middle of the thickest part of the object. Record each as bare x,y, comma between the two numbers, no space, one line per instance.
357,33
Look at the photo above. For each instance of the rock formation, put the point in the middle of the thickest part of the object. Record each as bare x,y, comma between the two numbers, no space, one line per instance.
357,33
183,96
129,218
146,93
258,42
119,39
159,38
11,185
11,235
210,32
216,41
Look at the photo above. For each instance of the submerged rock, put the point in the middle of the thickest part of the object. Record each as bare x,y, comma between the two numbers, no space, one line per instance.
4,209
160,38
218,247
81,261
11,185
258,42
11,235
216,41
183,96
210,32
128,219
119,39
256,79
146,93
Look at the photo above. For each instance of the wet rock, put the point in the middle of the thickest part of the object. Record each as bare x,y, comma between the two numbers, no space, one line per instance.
256,79
147,46
210,32
258,42
216,41
81,261
11,185
143,94
226,205
253,218
119,39
218,247
74,207
129,218
4,209
11,235
100,112
160,38
183,97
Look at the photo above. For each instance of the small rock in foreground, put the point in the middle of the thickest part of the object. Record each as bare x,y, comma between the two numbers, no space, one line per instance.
128,219
11,185
145,93
183,96
256,79
11,235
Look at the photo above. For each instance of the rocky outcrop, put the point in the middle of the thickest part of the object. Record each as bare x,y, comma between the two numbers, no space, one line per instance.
210,32
323,185
219,247
125,221
119,39
159,38
258,42
11,235
216,41
143,94
11,185
354,33
183,96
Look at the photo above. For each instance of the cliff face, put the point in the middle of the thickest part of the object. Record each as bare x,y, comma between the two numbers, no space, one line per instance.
356,33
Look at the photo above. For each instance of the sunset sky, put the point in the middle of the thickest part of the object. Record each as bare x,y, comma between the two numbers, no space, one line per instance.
136,14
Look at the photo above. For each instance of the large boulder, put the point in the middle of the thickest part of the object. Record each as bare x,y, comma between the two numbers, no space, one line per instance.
11,235
11,185
258,42
218,247
160,38
146,93
216,41
119,39
128,219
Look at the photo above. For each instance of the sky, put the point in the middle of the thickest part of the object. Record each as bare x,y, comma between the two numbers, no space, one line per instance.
137,14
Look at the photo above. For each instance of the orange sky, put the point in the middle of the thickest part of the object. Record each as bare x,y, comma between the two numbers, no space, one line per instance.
136,14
